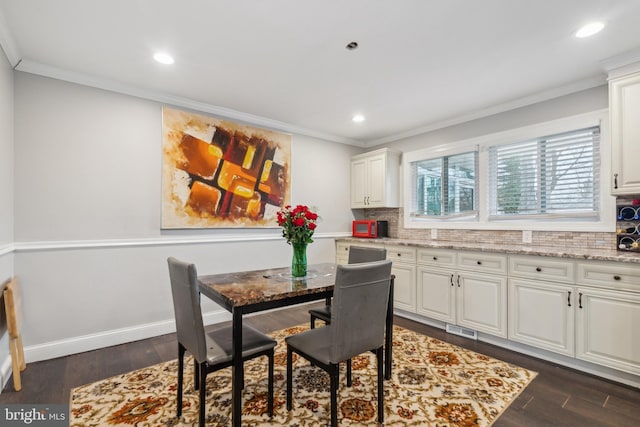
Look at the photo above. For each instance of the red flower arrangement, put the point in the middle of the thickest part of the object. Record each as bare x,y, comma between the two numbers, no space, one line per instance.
298,224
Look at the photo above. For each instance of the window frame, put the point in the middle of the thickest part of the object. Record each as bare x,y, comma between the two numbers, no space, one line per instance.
606,218
472,214
540,151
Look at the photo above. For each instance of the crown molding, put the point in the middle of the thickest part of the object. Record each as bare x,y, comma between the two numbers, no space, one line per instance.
7,43
625,63
32,67
496,109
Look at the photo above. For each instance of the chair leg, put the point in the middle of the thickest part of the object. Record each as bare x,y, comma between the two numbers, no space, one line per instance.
289,377
270,386
203,388
312,321
196,375
348,372
379,352
181,351
333,381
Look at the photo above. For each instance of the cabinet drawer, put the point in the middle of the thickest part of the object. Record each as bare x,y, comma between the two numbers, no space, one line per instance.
480,261
543,268
611,275
401,254
437,257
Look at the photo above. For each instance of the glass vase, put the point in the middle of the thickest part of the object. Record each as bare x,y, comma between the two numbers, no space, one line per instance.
299,261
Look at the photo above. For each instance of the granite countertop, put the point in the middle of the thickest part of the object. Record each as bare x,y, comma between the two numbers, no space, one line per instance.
550,251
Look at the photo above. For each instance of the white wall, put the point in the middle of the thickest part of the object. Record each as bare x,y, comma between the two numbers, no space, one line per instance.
6,197
89,249
565,106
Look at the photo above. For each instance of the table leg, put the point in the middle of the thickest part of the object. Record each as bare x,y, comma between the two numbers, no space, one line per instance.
388,335
237,373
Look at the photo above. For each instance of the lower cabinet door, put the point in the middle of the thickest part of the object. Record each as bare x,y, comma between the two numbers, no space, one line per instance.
608,328
541,314
482,302
404,286
436,294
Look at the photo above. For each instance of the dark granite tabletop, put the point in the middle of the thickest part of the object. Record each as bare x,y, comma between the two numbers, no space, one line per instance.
270,287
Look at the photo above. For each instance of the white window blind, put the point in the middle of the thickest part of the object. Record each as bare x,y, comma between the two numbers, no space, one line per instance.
552,176
445,186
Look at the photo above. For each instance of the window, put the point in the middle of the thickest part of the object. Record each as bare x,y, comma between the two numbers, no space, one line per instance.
552,176
445,186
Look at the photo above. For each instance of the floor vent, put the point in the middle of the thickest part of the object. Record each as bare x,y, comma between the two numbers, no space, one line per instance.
463,332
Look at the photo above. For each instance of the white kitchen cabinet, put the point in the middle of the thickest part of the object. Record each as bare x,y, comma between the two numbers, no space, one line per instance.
482,302
404,270
588,310
624,111
541,314
436,293
542,302
462,293
607,328
375,179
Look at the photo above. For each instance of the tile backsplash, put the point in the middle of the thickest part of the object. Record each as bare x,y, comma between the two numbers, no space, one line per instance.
562,239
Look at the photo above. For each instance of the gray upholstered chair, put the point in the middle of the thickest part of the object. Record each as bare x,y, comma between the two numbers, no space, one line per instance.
357,326
357,254
211,350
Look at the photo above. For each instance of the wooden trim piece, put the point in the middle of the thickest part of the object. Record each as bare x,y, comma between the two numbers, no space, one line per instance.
12,307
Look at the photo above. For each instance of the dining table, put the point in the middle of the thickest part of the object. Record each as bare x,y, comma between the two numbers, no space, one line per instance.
251,291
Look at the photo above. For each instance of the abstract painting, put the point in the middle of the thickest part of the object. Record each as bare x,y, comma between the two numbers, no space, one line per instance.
217,173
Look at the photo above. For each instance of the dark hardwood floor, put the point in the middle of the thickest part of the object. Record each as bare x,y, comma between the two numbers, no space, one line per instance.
558,396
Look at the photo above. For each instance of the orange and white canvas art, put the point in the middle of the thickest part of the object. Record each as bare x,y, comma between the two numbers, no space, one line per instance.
217,173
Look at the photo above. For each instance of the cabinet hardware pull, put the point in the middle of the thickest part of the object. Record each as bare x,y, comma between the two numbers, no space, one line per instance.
479,262
615,181
364,200
580,300
458,280
616,277
569,299
435,258
538,269
452,280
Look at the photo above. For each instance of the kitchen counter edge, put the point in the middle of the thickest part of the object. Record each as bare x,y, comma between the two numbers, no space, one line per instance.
592,254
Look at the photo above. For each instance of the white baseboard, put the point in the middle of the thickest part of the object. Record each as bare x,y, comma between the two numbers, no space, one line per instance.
90,342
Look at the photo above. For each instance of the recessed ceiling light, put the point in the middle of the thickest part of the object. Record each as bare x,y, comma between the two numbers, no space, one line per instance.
163,58
358,118
589,29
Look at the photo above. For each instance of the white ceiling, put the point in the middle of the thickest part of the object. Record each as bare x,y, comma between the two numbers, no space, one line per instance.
283,63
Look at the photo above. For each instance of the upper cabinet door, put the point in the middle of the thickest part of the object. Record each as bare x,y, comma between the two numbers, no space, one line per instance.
375,179
624,110
358,183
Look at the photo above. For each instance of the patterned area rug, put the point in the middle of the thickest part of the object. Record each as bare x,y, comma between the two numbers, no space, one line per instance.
433,384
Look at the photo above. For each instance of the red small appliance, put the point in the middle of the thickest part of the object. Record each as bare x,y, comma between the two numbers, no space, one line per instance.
369,228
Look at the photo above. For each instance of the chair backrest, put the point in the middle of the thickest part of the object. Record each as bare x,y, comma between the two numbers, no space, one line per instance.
186,306
358,254
360,298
